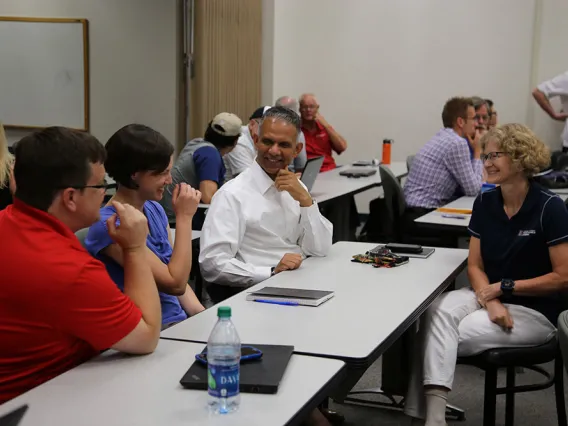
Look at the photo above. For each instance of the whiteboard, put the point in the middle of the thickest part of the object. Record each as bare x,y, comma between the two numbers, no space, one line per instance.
43,73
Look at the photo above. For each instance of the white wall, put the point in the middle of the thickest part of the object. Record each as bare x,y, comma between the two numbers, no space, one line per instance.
133,71
383,69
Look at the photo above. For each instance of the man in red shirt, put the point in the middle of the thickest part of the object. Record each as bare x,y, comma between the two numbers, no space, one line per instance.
58,306
321,138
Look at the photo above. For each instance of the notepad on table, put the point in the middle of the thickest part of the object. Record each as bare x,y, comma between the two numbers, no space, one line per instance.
294,295
456,211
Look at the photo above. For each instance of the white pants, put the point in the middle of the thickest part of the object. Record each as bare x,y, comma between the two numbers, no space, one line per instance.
456,325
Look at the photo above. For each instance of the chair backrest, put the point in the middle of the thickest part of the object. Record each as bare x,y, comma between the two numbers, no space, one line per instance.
394,196
409,161
82,235
563,336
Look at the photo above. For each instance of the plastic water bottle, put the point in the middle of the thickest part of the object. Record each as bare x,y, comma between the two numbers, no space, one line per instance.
223,364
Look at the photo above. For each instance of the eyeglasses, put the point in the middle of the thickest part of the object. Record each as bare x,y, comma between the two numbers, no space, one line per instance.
492,156
104,186
305,107
482,117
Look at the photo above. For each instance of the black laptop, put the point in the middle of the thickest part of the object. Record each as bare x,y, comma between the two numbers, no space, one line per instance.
13,418
259,376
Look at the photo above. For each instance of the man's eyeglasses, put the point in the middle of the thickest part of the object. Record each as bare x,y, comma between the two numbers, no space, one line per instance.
482,117
491,156
306,107
104,186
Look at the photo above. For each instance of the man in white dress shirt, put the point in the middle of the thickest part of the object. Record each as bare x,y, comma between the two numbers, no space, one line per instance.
557,87
264,221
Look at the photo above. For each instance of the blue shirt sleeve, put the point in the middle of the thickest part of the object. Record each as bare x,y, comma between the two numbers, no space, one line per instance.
477,212
554,222
98,238
209,165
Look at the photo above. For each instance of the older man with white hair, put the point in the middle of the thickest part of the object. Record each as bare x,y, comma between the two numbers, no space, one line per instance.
321,137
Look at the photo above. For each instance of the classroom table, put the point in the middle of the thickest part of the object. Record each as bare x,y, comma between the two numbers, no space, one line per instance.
331,185
371,308
436,219
119,390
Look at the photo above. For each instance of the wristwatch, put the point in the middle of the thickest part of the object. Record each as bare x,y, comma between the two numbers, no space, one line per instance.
507,288
272,270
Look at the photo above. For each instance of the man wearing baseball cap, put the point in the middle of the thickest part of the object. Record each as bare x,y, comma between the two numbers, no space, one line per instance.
241,158
200,163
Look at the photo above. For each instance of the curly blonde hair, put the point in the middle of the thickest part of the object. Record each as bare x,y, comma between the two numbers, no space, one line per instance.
524,148
6,159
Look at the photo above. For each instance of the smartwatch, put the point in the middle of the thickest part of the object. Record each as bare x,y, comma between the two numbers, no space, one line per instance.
507,288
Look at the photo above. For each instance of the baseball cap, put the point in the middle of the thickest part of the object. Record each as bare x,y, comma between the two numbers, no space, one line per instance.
259,112
226,124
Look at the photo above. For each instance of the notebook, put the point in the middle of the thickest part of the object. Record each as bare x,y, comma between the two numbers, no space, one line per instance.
311,171
292,295
258,376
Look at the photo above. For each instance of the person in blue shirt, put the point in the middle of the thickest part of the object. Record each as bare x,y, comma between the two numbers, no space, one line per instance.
200,163
139,159
517,267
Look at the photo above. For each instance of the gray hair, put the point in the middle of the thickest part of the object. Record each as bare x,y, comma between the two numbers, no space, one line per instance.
288,102
281,113
479,102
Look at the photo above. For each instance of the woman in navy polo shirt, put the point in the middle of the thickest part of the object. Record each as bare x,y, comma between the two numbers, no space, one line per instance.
139,159
518,264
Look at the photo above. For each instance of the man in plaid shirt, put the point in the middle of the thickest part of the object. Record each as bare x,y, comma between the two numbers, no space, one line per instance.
449,163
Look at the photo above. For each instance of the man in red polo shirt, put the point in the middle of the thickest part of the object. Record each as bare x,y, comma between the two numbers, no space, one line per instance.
321,138
58,306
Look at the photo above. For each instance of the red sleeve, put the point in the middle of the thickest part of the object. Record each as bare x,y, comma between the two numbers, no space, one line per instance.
93,309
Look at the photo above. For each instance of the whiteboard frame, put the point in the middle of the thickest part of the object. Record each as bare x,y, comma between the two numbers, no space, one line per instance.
85,23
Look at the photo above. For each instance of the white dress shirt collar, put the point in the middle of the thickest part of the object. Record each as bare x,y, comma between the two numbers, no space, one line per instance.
260,178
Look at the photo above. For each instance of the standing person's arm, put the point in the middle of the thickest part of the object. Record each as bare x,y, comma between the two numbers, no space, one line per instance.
338,143
468,173
558,86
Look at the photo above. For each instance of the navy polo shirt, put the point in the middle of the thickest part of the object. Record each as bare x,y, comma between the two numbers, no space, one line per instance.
517,248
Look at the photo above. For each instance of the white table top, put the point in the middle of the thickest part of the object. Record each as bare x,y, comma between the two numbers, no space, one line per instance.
118,390
368,306
329,185
436,218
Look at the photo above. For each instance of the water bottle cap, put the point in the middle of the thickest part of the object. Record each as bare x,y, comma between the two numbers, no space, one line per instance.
224,312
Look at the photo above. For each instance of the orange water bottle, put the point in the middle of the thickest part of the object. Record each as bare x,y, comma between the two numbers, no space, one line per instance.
387,144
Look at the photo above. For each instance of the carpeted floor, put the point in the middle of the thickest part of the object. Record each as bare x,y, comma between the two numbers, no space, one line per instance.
532,409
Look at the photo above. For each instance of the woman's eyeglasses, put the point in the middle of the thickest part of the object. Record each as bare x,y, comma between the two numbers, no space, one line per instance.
491,156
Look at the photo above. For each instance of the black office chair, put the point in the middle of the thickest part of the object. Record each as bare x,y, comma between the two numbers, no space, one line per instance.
394,200
396,208
563,336
409,161
510,359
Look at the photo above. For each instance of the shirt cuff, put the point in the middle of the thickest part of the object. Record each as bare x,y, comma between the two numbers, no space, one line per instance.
262,273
